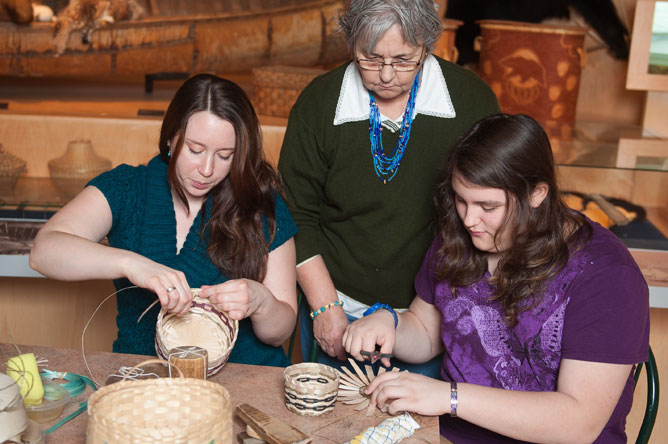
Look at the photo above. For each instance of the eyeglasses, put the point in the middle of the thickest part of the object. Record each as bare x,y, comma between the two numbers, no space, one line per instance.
398,66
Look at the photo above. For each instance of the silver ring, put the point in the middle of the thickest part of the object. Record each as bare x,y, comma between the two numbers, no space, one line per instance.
170,289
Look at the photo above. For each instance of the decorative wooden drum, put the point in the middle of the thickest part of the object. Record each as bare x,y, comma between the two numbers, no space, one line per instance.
445,45
534,69
203,326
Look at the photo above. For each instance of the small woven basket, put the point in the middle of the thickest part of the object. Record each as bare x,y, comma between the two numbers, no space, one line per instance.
310,388
160,411
204,326
11,168
79,164
276,88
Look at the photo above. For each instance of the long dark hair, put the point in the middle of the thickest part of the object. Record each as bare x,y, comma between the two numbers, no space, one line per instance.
237,243
511,153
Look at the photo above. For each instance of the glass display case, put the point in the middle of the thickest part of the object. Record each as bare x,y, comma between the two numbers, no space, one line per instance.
588,164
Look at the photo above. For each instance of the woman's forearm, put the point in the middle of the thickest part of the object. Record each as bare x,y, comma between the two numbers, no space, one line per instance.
586,395
546,417
418,337
274,321
412,340
316,283
69,257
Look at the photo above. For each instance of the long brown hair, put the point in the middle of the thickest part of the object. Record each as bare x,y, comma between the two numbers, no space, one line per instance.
511,153
237,243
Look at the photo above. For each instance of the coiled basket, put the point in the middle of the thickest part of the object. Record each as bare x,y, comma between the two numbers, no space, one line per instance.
310,388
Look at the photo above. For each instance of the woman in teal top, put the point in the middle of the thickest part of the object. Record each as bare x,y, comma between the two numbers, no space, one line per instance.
206,212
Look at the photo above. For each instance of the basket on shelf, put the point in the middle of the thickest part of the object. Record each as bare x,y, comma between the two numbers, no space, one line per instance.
160,410
203,326
277,87
310,388
11,168
70,172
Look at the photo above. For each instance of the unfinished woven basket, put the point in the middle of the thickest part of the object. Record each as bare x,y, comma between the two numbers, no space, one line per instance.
203,326
310,388
160,411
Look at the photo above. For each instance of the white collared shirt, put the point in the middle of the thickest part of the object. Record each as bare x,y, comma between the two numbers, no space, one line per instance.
433,98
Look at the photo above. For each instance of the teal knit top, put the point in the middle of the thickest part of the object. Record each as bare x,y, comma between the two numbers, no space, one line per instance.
372,236
144,222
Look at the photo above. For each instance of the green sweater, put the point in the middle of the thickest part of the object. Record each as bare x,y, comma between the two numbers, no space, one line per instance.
372,236
144,222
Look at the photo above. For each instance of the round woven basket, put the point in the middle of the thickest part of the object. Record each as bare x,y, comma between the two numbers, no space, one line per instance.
204,326
310,388
79,164
160,411
11,167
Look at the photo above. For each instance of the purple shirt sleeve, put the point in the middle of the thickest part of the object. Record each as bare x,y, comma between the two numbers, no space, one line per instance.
607,319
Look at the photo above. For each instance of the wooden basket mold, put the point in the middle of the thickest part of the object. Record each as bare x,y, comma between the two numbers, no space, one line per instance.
277,87
310,388
161,411
204,326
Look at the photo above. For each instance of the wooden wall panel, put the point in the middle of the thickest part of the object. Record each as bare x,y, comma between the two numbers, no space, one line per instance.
40,311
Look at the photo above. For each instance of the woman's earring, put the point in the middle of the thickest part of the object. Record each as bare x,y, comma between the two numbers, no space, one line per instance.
169,154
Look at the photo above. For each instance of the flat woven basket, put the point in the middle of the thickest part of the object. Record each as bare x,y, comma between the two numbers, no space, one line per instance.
160,411
276,88
203,326
310,388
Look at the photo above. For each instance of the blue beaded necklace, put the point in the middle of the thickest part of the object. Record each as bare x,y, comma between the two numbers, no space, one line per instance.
387,166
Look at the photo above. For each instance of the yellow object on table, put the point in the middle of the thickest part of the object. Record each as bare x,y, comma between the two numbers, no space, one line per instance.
23,370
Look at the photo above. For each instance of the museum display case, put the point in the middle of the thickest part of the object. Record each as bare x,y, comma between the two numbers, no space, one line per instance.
622,160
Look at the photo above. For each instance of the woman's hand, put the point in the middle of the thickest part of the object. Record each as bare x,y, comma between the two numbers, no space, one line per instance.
328,328
404,391
170,285
367,332
240,298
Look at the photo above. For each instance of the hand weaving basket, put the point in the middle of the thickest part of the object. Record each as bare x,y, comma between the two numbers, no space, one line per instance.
310,388
161,411
203,326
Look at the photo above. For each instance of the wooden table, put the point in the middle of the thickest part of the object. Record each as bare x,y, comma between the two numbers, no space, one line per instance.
259,386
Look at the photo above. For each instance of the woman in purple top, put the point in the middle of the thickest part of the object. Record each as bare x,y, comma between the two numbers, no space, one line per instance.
542,313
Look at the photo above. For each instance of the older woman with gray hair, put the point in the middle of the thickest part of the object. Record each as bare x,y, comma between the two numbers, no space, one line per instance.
360,161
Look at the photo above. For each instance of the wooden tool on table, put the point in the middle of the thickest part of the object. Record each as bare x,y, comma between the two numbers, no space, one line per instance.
270,429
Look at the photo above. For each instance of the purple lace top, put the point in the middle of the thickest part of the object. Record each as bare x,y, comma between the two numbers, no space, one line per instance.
595,309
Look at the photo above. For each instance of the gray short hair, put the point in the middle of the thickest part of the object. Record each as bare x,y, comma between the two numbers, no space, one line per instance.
366,21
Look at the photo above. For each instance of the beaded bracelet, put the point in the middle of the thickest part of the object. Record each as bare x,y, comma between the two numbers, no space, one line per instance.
315,313
453,399
377,306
